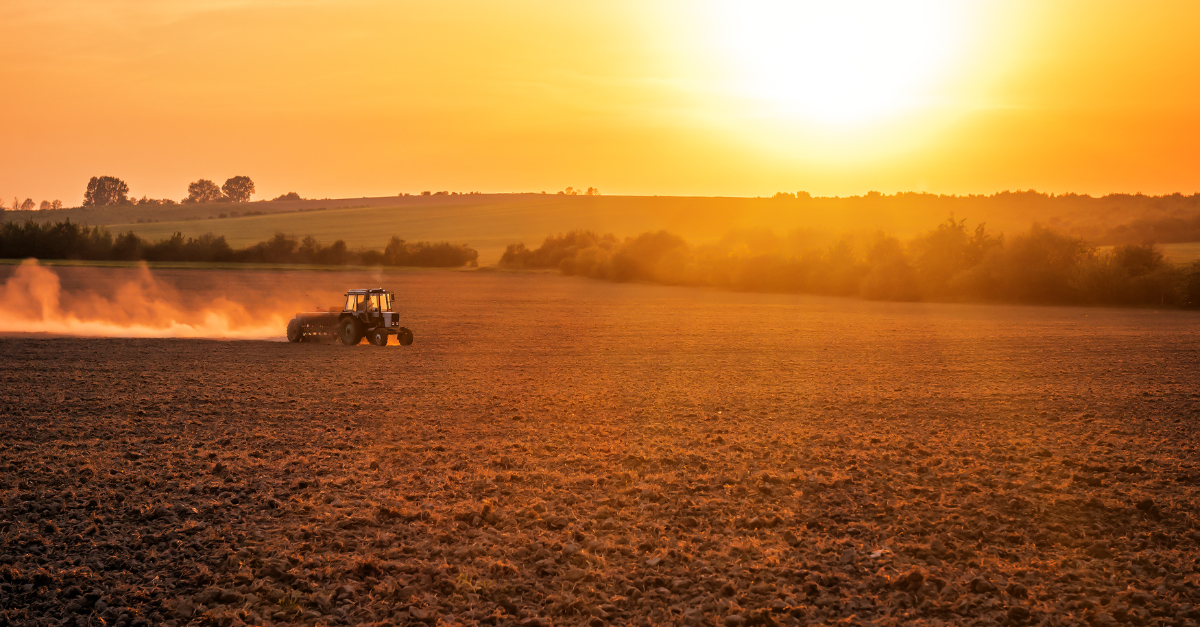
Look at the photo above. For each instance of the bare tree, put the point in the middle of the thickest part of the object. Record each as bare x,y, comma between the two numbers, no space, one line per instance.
28,205
57,204
44,205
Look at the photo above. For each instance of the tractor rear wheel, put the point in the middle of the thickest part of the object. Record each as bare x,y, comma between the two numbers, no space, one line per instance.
379,337
295,332
351,331
405,336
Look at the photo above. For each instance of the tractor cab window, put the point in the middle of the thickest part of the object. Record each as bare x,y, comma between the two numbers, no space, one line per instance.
369,302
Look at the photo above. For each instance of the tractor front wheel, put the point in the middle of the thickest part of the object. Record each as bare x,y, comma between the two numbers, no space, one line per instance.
351,331
405,336
294,331
379,337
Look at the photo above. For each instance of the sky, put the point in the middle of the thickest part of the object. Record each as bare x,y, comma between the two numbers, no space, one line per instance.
670,97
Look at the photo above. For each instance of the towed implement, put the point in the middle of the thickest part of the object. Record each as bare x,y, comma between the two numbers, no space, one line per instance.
367,313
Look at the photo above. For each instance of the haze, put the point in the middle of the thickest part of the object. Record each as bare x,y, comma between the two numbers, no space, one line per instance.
366,97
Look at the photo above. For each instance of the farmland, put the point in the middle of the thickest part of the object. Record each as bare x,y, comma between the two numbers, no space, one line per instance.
553,451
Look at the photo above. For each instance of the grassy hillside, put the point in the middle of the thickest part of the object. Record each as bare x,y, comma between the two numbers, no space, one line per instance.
1181,253
138,214
490,222
232,266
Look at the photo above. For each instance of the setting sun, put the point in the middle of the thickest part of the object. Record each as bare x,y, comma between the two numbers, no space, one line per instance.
666,313
714,97
842,63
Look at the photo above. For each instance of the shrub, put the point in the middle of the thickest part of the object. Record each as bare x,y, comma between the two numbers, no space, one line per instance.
948,263
1039,267
67,240
890,277
555,250
1191,286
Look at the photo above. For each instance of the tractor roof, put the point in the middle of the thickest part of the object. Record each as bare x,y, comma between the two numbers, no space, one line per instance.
374,290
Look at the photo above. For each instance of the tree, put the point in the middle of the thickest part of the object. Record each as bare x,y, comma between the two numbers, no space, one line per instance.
203,191
28,205
57,204
1139,260
592,191
946,252
106,190
289,196
238,188
45,206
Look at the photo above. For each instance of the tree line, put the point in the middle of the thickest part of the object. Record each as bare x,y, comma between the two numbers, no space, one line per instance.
103,191
1108,219
949,263
29,205
68,240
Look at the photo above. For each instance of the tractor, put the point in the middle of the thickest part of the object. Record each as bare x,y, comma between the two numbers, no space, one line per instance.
367,313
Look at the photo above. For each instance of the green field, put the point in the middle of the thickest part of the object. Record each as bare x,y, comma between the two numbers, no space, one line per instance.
204,265
489,223
1181,253
137,214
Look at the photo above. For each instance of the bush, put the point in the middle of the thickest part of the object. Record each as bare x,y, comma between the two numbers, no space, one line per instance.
1191,286
891,276
427,255
66,240
948,263
207,247
1139,260
660,257
947,251
555,250
57,240
1039,267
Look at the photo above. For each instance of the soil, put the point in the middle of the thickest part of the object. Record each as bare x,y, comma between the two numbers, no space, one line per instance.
553,451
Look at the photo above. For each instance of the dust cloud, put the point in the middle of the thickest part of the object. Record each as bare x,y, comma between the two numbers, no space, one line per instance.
32,300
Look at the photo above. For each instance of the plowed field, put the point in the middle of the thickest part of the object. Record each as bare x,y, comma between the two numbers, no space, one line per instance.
560,451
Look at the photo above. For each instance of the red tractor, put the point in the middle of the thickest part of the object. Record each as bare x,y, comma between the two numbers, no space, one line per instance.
367,313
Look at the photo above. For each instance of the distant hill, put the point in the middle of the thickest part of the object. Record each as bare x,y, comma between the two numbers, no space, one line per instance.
489,222
132,214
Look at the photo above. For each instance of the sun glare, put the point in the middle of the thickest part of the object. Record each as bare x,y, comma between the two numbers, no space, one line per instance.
843,63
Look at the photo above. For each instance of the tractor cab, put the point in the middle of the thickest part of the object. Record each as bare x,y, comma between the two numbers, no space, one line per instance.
369,301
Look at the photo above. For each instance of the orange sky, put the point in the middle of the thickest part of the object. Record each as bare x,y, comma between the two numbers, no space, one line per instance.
698,97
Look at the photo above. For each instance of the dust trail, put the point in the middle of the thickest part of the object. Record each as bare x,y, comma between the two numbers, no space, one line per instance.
32,301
